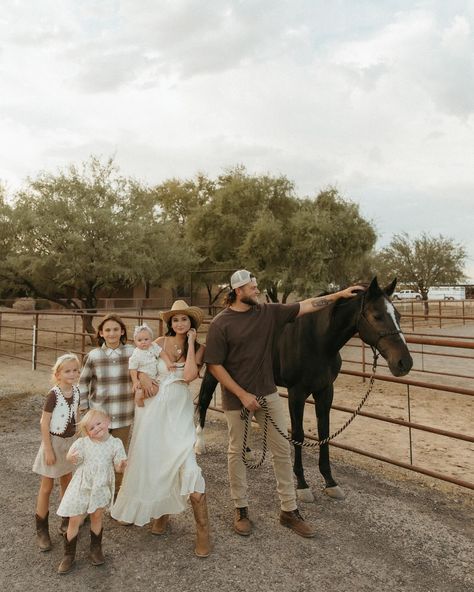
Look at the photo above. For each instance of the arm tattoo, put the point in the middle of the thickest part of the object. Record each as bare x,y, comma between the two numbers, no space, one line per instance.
320,302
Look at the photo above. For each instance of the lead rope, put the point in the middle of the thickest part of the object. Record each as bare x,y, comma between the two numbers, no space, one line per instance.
245,415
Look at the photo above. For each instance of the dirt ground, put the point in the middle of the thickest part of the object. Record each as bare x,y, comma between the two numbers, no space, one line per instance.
394,531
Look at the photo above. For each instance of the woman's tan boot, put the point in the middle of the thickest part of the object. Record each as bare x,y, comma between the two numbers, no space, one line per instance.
203,545
69,555
96,556
160,525
42,533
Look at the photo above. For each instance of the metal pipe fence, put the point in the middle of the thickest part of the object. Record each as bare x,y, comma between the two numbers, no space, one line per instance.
40,337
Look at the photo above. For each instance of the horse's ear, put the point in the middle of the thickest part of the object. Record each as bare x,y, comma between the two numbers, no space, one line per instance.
390,289
374,288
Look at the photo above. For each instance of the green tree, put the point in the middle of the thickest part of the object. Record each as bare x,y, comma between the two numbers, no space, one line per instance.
423,261
83,230
218,229
320,243
175,202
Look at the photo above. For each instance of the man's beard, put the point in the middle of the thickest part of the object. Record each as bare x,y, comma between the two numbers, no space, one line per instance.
250,301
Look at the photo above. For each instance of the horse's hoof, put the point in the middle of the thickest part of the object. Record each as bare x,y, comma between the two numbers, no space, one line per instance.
305,495
335,492
200,448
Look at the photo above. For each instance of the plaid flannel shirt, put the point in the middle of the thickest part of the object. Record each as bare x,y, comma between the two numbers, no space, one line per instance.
105,382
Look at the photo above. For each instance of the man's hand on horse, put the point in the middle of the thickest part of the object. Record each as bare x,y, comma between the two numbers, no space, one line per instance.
351,291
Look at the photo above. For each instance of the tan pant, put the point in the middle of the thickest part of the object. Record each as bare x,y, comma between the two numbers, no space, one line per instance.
122,434
280,450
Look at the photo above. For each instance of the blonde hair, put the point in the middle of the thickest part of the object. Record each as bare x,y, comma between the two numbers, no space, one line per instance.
81,426
60,362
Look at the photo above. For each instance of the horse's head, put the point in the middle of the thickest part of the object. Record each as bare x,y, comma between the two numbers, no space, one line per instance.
379,326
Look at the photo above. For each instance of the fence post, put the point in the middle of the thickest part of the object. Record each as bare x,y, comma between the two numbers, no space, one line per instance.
409,427
439,309
34,348
412,318
463,319
75,329
83,339
363,360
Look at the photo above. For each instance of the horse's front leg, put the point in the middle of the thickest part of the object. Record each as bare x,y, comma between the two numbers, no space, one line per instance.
296,403
323,401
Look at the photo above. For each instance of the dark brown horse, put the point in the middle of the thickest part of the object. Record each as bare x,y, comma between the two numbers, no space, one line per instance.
306,360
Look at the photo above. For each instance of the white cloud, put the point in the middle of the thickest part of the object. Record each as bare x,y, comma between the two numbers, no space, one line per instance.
374,97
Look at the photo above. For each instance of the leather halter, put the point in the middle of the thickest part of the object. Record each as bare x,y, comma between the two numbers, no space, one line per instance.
380,334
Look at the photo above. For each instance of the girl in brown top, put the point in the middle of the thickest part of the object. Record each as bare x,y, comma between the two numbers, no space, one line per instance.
58,427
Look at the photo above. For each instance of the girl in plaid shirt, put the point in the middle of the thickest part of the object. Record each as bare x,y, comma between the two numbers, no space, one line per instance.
105,381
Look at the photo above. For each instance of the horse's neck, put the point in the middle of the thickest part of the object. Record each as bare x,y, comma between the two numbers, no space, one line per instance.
342,323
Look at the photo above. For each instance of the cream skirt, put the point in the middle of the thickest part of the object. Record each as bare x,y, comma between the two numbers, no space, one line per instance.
61,466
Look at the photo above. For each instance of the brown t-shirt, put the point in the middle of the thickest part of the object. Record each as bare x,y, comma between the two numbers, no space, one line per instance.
49,406
242,343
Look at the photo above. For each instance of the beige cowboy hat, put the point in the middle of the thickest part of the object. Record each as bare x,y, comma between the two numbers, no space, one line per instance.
181,307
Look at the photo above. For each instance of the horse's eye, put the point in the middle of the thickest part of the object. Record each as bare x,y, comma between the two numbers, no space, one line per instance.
378,317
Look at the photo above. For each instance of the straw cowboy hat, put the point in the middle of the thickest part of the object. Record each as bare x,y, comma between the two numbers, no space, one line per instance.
181,307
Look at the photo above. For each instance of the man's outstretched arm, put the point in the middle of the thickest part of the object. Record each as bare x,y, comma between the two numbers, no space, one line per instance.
320,302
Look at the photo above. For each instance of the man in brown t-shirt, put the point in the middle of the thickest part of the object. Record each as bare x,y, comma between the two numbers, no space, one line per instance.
239,355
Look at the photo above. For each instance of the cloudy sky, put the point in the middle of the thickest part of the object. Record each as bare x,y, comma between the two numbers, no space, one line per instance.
375,97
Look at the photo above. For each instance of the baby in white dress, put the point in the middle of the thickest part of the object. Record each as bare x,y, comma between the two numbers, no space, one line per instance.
145,359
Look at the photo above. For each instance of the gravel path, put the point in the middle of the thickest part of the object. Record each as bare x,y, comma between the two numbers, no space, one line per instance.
391,532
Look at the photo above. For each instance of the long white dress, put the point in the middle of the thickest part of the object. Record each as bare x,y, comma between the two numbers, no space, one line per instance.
162,470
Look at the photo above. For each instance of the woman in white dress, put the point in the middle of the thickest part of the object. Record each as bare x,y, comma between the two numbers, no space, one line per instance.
162,471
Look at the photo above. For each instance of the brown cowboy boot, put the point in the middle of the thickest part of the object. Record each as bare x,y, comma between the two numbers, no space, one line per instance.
63,526
42,533
203,545
160,525
96,556
69,555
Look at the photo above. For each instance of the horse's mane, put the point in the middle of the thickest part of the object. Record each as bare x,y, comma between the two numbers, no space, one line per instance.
343,301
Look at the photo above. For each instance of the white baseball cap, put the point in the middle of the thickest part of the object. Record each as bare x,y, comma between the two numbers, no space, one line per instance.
240,278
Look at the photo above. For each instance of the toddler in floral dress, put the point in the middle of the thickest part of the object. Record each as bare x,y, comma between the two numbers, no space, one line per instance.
91,489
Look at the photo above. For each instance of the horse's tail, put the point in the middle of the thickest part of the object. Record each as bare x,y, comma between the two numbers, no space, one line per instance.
208,386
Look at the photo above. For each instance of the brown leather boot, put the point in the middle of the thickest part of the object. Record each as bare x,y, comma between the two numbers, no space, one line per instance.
296,522
96,556
42,533
159,525
242,523
203,545
69,555
63,526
